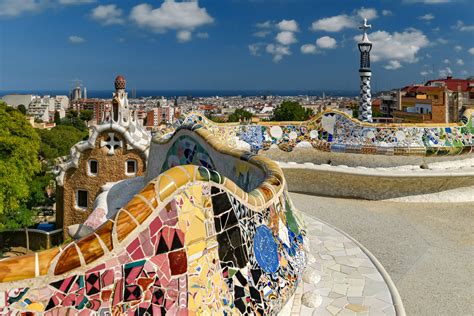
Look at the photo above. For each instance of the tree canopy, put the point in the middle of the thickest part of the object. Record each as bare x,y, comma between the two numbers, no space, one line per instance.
22,109
58,141
19,147
240,115
291,111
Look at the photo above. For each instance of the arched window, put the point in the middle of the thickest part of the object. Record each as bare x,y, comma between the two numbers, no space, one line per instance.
93,168
130,167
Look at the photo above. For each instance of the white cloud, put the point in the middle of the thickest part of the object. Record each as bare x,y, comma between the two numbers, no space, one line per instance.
107,14
262,33
254,49
309,49
326,42
264,25
427,17
343,21
460,62
184,36
286,38
203,35
464,72
74,2
334,23
367,13
442,41
402,47
446,61
288,25
17,7
171,15
445,72
458,48
393,64
463,27
471,50
74,39
278,51
14,8
387,13
428,1
425,73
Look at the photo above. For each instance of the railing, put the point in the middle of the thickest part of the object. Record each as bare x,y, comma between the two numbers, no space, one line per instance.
39,239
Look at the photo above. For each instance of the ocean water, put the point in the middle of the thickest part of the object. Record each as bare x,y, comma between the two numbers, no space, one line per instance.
107,94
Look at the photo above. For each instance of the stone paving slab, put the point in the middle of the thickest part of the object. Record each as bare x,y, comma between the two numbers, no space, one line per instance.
350,282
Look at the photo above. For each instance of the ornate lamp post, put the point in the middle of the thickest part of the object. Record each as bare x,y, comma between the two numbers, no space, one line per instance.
365,103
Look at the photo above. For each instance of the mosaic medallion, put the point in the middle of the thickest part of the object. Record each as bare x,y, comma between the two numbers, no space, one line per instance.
266,249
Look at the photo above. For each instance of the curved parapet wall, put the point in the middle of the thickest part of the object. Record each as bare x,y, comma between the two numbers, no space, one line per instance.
335,131
192,241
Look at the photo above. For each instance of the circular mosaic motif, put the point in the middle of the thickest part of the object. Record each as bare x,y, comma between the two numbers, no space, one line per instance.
313,134
293,135
276,132
266,249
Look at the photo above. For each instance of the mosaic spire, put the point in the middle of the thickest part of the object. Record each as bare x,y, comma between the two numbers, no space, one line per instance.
365,102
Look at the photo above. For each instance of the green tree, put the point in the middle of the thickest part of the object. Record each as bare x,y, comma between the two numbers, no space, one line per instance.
57,118
19,147
72,119
58,141
22,109
240,115
86,115
291,111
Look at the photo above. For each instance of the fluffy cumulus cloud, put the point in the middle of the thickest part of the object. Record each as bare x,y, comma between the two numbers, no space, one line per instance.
182,17
278,51
14,8
339,22
458,48
334,24
203,35
288,25
74,39
308,49
184,36
425,73
445,72
326,42
446,61
387,13
107,14
427,17
460,62
471,50
401,47
463,27
393,64
286,38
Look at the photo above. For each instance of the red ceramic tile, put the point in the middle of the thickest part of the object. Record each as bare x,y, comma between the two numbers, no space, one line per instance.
178,262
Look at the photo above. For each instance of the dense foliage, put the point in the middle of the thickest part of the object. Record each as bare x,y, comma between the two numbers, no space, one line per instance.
240,115
19,147
58,141
73,119
291,111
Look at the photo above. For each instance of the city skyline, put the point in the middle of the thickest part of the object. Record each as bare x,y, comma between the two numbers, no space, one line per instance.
231,45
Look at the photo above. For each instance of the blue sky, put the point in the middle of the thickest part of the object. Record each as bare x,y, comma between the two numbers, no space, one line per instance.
230,44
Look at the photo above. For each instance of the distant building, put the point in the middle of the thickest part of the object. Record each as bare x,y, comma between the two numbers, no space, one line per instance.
439,101
101,108
14,100
159,116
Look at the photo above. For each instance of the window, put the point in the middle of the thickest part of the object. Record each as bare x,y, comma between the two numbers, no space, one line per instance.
93,167
131,167
81,198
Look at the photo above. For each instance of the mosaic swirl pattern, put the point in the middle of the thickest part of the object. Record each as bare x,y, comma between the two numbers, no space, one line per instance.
191,242
335,131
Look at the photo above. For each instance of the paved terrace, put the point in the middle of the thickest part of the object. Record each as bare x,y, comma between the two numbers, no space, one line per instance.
427,249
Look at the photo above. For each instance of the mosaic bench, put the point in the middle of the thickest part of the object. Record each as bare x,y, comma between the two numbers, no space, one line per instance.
213,231
335,131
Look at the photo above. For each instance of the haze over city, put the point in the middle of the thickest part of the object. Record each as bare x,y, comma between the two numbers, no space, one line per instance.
230,45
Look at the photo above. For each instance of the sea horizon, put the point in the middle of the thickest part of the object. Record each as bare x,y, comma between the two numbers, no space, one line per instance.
107,94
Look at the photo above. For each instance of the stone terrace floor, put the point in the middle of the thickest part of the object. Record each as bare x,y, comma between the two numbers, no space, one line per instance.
427,249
